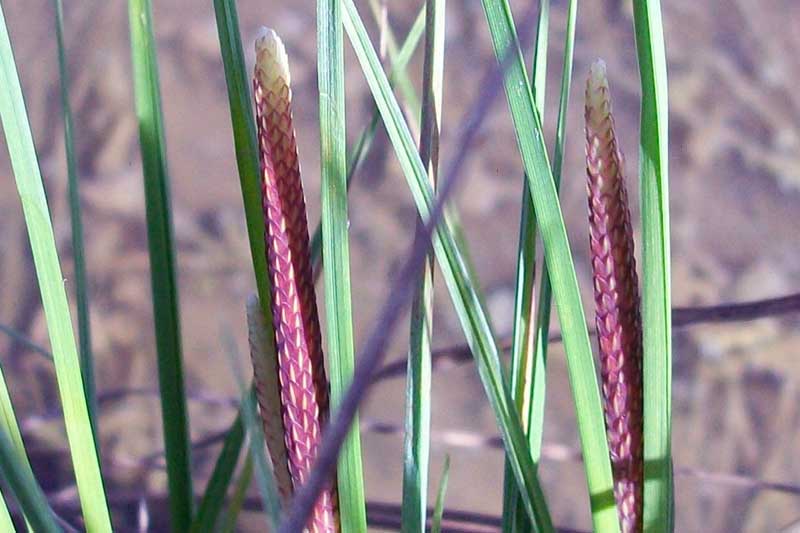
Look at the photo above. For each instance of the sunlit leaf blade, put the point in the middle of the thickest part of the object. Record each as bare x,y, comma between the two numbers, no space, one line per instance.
550,221
335,245
54,297
360,148
656,298
81,286
6,524
535,406
454,270
163,269
418,388
544,304
527,373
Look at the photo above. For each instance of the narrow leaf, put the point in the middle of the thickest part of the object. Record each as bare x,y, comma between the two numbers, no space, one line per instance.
527,373
54,298
438,510
214,497
418,387
239,494
335,244
163,270
557,252
26,490
656,298
81,286
455,272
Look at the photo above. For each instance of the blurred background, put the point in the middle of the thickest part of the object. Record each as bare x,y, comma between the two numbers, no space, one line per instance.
735,200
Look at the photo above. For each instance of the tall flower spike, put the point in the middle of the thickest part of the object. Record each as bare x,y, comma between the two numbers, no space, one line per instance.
303,385
616,296
265,377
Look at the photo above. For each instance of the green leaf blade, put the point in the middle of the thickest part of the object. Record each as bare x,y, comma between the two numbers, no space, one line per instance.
656,298
81,286
557,252
163,273
54,298
418,386
335,246
455,272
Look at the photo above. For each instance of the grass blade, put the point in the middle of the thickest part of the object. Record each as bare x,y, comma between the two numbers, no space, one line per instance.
544,304
535,407
26,490
214,496
527,373
244,135
6,524
81,286
239,494
656,299
54,298
335,245
162,263
11,428
438,510
455,272
403,82
363,143
418,387
557,252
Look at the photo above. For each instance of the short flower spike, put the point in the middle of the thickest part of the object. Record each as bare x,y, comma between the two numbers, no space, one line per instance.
265,377
616,296
303,385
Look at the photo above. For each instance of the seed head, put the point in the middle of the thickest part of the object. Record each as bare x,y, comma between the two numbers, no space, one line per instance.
265,377
616,296
303,385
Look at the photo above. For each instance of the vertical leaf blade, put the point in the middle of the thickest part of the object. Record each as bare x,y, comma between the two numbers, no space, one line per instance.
418,387
54,297
581,366
656,298
162,263
81,286
335,245
455,272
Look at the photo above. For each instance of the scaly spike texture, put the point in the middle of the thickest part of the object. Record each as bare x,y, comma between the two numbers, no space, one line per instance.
616,296
265,376
303,385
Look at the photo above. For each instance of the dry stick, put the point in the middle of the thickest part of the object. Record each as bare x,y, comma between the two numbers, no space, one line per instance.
682,317
374,349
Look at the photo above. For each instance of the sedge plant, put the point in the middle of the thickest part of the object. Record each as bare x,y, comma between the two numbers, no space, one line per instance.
623,415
